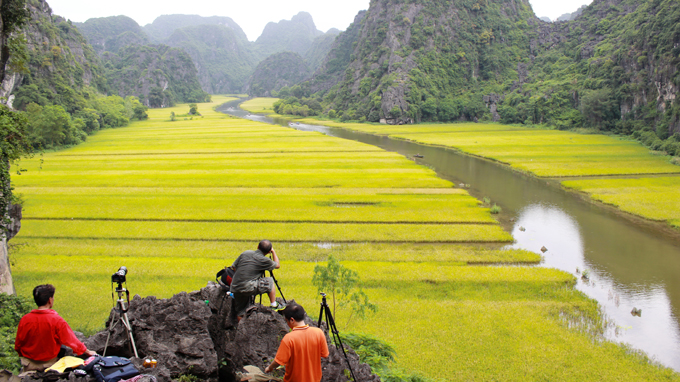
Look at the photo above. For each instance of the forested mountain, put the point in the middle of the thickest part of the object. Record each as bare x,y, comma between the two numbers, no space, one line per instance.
573,15
294,35
275,72
109,34
319,49
56,78
164,26
158,74
615,67
223,58
411,57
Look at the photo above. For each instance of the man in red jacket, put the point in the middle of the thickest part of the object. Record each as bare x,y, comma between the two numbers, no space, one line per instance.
42,332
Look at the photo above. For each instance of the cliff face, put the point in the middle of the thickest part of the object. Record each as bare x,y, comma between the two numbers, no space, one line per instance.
294,35
164,26
223,59
406,53
109,34
614,67
60,59
158,75
278,70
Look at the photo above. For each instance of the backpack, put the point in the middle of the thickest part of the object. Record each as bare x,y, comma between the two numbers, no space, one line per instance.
224,278
113,369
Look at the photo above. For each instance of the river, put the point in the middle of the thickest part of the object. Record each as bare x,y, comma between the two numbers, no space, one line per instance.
631,263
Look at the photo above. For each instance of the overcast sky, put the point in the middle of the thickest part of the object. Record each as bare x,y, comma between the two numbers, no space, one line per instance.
253,15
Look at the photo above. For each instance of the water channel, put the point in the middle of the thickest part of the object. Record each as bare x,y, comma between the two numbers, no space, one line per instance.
631,263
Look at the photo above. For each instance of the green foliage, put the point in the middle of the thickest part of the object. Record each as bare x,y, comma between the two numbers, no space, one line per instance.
173,78
344,287
12,308
303,107
277,71
14,144
193,109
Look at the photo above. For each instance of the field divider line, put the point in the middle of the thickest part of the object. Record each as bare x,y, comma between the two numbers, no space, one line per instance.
257,239
225,152
615,176
261,221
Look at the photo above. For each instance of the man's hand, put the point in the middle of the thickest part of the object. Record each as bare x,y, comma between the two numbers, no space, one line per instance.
271,367
276,259
90,352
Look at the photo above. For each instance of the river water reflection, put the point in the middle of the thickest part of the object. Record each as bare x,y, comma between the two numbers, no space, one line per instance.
630,264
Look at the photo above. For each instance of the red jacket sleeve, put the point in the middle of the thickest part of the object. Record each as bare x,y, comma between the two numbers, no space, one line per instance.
66,337
21,337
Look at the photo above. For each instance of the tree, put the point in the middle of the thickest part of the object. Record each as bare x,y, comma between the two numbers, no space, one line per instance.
343,284
13,15
193,109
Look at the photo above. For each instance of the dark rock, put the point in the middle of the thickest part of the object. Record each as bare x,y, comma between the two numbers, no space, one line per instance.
173,331
15,216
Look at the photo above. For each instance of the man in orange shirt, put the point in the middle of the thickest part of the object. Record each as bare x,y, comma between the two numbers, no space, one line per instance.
301,349
42,332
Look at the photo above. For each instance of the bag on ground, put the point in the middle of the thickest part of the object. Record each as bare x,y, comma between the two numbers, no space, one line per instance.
114,369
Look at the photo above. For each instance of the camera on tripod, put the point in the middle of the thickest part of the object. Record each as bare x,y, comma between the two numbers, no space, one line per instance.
119,276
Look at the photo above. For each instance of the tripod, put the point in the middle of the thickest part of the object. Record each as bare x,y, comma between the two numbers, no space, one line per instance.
271,273
330,322
122,309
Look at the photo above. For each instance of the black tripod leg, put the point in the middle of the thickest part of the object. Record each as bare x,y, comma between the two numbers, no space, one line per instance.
336,337
277,286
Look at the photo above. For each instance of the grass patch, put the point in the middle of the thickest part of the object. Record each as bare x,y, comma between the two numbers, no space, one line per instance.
656,198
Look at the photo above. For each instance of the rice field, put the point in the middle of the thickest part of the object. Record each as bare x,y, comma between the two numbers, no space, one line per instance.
656,198
260,105
177,201
559,154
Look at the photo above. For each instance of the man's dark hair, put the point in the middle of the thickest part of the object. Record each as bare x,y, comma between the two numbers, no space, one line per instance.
42,294
297,312
265,246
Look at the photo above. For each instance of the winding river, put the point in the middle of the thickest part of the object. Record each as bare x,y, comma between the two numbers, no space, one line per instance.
631,263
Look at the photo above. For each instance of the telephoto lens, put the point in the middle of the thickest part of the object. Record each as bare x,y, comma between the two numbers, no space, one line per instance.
119,276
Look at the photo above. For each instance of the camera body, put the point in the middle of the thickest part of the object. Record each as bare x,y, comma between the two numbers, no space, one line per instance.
119,276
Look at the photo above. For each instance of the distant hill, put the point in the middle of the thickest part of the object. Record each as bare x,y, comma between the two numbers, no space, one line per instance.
109,34
573,15
159,75
276,71
164,26
294,35
223,58
319,49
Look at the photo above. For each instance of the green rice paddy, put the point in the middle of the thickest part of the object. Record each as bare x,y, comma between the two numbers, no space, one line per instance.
260,105
559,154
177,201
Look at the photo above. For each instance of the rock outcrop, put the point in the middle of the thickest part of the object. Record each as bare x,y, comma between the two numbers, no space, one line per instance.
197,334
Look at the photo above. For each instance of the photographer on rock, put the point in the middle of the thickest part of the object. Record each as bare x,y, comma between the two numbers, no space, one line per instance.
249,277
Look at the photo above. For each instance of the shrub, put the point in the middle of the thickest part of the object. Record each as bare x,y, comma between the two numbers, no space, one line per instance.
12,308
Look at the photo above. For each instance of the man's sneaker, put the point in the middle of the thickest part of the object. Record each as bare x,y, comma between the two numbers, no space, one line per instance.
278,306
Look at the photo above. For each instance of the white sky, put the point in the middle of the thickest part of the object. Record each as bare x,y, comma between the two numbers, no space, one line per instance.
253,15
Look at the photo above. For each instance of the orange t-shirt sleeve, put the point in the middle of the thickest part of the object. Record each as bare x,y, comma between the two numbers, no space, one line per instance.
323,346
283,354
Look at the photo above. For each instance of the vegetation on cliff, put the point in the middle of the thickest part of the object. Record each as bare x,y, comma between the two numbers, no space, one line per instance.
275,72
110,34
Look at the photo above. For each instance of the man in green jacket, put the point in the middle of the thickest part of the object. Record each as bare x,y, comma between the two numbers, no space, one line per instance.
249,278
